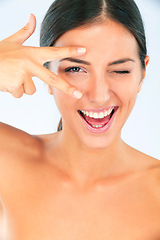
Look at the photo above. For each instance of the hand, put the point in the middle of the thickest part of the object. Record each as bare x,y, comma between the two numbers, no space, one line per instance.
18,64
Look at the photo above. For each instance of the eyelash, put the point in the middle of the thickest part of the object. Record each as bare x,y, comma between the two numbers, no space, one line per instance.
122,72
70,69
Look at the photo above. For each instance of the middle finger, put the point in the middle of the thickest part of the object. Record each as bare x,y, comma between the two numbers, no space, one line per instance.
47,54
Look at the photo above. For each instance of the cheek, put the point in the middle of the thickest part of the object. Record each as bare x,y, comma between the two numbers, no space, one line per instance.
79,81
66,104
126,91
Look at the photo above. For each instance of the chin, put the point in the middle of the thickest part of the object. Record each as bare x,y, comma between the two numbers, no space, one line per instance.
93,141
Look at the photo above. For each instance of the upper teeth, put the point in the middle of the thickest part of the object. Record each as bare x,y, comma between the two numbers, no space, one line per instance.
98,115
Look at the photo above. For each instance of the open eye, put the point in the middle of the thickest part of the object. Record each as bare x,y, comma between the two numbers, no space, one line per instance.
74,69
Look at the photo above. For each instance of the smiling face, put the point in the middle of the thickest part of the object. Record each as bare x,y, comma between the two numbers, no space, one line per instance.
109,75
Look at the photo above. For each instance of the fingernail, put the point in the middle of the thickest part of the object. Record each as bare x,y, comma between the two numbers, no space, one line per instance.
81,50
29,18
77,94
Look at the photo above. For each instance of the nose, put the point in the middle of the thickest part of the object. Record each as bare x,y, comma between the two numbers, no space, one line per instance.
99,90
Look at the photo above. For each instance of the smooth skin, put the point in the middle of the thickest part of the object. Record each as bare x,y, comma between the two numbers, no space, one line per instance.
73,185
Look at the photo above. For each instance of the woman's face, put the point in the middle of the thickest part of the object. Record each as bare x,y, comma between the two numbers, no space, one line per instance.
109,75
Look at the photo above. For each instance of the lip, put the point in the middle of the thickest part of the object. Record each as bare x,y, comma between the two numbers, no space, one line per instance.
106,126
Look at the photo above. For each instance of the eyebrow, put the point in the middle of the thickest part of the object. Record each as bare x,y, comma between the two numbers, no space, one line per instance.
75,60
124,60
119,61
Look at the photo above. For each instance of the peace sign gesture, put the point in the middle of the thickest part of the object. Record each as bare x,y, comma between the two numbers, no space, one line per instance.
18,64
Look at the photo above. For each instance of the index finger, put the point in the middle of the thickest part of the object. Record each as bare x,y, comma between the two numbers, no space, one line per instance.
54,80
47,54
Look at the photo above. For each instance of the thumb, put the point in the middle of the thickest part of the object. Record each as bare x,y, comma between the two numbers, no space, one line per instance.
22,35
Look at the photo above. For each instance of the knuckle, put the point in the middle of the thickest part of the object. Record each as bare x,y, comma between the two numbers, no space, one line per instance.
21,77
25,28
14,87
52,78
31,91
17,96
55,49
70,89
18,93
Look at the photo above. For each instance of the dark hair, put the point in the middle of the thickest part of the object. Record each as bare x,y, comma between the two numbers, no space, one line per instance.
64,15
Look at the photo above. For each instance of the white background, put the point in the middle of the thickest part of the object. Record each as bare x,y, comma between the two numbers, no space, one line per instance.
38,114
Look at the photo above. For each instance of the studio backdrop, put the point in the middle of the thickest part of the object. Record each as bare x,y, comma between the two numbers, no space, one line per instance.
38,114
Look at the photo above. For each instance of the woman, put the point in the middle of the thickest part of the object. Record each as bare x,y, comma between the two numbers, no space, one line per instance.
82,182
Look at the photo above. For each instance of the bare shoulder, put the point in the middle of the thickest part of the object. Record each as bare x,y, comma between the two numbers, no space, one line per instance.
153,168
141,159
153,178
149,168
18,149
15,142
18,152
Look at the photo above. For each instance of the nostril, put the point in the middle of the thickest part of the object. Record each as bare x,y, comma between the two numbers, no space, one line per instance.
99,92
99,99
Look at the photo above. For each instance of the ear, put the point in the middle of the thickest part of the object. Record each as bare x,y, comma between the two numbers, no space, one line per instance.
146,61
50,90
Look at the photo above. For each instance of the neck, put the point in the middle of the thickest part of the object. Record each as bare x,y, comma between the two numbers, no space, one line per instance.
87,165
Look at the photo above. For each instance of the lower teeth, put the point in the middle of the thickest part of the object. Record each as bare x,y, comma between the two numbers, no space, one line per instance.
97,126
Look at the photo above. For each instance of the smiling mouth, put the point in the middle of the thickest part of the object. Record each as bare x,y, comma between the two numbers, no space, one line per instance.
98,120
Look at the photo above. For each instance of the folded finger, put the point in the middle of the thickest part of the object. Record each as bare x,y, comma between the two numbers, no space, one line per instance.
19,92
29,87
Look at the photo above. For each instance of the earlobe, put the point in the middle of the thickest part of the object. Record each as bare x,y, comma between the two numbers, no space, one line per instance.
146,61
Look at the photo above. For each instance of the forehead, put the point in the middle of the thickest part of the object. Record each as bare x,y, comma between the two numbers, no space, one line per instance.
108,37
